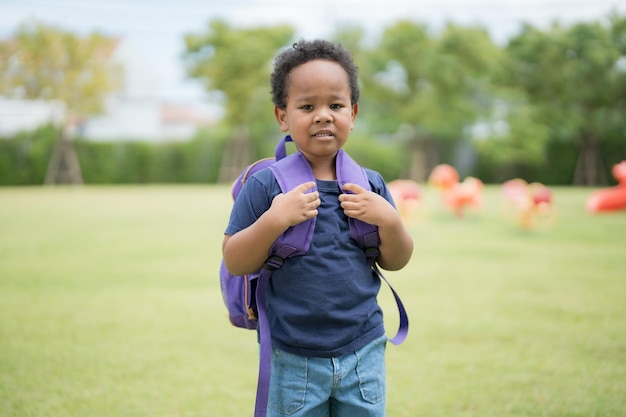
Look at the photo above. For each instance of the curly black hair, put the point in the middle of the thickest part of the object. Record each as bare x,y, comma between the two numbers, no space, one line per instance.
303,52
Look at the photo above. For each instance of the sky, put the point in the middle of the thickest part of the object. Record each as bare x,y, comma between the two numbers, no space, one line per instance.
154,29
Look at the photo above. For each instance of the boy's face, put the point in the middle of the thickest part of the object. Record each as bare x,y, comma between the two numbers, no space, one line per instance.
319,114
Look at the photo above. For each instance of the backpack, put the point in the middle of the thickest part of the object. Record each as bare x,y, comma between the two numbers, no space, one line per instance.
244,296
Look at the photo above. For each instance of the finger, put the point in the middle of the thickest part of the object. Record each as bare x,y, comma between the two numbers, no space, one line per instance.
350,207
305,186
353,188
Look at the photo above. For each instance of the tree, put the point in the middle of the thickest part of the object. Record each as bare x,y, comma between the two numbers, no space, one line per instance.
237,64
512,138
44,62
430,88
576,77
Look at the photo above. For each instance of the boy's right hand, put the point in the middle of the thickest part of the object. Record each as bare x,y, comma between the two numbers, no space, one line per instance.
246,251
296,206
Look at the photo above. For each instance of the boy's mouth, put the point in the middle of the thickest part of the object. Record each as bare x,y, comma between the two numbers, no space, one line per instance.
323,134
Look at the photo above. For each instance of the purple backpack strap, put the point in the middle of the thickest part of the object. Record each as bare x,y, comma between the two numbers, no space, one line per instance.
366,235
290,171
265,341
247,173
281,148
265,356
403,325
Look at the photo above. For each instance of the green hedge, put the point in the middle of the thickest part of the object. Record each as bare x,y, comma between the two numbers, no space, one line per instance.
24,157
24,160
559,168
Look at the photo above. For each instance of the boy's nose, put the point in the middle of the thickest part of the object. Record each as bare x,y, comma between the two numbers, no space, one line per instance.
323,116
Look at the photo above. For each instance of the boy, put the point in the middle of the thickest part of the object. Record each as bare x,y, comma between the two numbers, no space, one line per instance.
328,339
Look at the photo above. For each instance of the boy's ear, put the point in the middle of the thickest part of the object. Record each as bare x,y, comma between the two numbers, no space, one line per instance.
355,111
281,118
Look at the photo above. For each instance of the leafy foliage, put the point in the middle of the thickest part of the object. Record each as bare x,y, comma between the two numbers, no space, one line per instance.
44,62
548,105
576,78
236,63
24,157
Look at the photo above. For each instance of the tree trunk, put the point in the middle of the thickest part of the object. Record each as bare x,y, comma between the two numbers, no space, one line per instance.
417,170
237,156
64,167
423,158
589,166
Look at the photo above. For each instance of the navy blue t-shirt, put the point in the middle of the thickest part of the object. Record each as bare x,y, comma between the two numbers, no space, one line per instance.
321,304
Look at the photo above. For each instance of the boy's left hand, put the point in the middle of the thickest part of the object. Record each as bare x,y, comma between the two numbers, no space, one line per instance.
396,245
365,205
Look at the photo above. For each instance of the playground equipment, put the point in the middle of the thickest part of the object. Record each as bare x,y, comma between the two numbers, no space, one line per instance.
406,194
610,199
530,205
456,195
443,176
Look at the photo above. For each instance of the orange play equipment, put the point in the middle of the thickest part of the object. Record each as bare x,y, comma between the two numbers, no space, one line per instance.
456,195
610,199
406,194
529,204
443,176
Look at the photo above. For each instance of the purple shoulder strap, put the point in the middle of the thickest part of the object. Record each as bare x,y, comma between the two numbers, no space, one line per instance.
291,171
366,235
348,171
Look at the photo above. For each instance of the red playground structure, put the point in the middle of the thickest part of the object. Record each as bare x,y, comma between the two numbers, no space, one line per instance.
457,196
406,194
610,199
530,205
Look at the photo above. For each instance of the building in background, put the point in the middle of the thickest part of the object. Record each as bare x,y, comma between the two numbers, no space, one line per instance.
134,113
18,115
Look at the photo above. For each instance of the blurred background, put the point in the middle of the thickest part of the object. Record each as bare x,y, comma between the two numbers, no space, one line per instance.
178,92
511,111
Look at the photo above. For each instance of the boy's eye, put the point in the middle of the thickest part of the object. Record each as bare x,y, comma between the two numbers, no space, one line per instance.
309,107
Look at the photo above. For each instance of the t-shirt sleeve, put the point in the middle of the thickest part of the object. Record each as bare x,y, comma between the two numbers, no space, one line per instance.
379,186
253,200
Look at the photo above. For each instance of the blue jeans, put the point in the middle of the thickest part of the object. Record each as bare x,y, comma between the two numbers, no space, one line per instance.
349,386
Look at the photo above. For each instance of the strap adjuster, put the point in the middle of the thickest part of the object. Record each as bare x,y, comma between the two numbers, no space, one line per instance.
372,252
273,263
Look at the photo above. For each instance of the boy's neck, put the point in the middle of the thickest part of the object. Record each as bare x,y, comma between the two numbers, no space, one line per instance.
324,169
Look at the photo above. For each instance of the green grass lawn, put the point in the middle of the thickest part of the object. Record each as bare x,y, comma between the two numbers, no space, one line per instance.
110,306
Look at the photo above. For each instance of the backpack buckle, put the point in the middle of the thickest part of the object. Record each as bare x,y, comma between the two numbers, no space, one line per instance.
372,252
273,263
